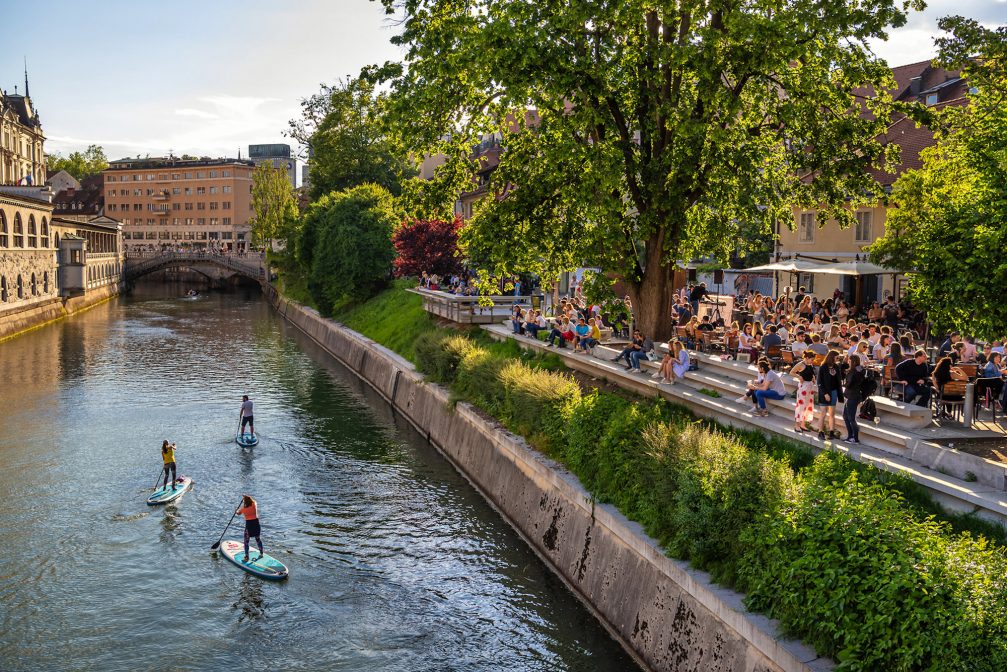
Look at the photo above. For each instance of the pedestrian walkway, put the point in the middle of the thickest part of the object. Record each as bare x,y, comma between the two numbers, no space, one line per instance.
901,442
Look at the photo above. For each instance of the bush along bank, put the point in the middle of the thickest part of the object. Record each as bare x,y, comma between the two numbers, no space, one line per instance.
844,556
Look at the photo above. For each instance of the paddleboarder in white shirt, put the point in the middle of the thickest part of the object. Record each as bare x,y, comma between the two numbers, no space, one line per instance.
246,414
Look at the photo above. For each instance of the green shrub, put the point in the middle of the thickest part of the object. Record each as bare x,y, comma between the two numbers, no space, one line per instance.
538,404
439,353
849,569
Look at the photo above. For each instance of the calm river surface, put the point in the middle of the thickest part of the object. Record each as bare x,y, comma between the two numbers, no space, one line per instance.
396,563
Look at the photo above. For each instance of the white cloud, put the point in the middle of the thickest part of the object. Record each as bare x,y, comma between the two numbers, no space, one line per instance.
199,114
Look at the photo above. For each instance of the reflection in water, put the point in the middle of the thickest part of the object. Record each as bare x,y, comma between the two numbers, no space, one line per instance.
250,602
396,563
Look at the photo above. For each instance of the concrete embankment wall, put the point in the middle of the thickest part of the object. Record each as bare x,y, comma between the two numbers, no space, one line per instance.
668,615
15,321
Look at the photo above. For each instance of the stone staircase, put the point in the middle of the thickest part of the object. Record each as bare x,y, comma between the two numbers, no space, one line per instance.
959,481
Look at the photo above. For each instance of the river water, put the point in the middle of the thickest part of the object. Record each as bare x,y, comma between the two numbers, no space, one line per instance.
396,563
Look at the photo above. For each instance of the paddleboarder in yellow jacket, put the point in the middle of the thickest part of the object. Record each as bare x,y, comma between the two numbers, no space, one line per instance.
168,455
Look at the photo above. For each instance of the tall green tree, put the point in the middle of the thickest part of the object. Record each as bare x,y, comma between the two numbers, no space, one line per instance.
347,240
79,164
949,224
663,128
273,204
342,126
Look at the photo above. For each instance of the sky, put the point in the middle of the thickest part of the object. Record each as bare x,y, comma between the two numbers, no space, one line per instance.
211,77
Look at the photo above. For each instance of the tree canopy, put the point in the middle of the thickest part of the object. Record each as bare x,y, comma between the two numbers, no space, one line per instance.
949,223
427,245
349,147
662,129
79,164
275,210
346,242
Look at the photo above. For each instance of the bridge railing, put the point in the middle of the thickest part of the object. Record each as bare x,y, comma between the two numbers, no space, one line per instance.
137,263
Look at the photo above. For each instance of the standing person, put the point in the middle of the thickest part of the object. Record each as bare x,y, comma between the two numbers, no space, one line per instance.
246,415
250,510
830,392
804,412
854,395
168,455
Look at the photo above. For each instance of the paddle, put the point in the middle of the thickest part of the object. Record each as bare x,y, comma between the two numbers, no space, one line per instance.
160,473
217,545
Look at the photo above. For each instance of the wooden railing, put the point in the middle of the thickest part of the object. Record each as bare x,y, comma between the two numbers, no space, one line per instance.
469,309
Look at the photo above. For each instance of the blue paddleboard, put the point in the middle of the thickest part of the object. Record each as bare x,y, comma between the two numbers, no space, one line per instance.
246,439
266,566
166,494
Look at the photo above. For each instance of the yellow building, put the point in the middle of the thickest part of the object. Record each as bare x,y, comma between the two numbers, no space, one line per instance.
915,82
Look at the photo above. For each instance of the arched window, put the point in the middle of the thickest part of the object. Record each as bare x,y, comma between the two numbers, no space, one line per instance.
44,234
56,239
20,287
45,282
4,294
32,232
18,231
34,285
4,241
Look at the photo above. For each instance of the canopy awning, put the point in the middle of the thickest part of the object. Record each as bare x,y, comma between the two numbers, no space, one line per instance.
826,268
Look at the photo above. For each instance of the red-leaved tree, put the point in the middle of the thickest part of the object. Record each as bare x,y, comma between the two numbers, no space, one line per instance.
429,245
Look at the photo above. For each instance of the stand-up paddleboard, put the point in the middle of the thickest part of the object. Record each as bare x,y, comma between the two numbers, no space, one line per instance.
267,566
247,440
166,494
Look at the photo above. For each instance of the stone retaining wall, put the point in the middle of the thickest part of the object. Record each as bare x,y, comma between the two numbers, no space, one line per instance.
19,319
667,615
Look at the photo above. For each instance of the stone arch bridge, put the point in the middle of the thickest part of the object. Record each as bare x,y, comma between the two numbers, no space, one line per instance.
216,268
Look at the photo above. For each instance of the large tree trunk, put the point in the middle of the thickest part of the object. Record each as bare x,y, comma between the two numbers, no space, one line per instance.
652,296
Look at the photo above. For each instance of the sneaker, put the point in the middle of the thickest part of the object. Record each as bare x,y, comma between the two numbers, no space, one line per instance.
743,399
821,436
548,345
246,559
835,434
613,359
670,381
657,376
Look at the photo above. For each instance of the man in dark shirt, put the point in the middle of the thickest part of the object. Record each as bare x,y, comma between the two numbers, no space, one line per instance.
915,373
771,338
705,325
947,345
697,293
684,312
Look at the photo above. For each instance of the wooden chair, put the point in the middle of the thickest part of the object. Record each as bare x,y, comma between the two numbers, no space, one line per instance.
987,387
787,357
970,370
950,398
732,346
774,354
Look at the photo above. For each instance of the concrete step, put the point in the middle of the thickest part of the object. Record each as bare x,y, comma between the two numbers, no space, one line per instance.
956,494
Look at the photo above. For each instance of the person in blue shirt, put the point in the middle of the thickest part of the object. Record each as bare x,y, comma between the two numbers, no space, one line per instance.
581,332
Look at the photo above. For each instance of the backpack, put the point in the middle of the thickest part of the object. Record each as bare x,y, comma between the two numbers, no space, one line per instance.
868,411
870,384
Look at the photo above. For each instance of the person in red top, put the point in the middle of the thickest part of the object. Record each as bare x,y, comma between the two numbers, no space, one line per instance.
250,510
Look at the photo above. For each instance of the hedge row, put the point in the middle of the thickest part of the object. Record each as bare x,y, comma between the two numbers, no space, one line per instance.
825,545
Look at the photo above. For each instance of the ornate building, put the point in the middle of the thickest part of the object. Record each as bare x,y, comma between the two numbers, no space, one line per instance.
21,158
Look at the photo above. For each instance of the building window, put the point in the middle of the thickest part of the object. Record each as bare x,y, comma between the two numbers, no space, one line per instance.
3,290
863,228
32,232
225,173
227,221
201,206
806,229
227,188
110,178
164,235
201,235
214,221
213,190
227,205
20,287
163,222
18,232
213,173
3,232
150,177
188,221
932,99
201,221
201,191
34,285
188,176
162,176
188,206
44,239
176,191
226,235
151,235
175,176
45,282
200,175
213,205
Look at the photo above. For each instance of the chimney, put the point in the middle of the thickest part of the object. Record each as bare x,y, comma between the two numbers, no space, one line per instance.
915,84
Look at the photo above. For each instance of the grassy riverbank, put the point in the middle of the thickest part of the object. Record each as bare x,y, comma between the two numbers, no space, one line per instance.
849,558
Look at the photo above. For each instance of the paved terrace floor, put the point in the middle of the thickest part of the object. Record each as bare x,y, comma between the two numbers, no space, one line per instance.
903,441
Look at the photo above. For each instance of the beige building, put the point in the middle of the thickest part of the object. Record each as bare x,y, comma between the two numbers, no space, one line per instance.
35,251
920,82
21,140
169,202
